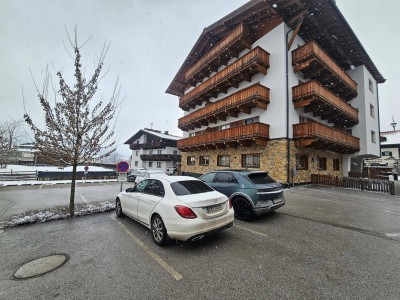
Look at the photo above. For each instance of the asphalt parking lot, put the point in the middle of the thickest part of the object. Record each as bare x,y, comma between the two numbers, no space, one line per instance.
324,243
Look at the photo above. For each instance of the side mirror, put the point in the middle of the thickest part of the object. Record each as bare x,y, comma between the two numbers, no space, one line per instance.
129,190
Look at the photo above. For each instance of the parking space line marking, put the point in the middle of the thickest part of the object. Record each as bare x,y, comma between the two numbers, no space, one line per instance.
157,258
371,208
252,231
40,187
83,198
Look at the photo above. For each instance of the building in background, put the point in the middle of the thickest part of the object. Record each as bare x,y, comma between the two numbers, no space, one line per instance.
390,151
279,85
154,150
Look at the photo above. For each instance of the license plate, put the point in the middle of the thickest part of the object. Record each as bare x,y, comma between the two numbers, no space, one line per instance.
214,208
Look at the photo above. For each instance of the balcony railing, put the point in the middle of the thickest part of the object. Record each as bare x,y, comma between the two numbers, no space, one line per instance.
315,63
320,136
160,157
231,45
241,135
315,98
242,101
154,145
255,61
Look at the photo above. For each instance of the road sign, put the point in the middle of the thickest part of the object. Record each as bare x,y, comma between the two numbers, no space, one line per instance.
123,166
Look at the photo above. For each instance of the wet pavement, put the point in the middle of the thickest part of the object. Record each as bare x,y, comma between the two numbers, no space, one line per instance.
323,244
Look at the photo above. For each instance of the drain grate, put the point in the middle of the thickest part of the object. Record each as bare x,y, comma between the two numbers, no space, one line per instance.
41,266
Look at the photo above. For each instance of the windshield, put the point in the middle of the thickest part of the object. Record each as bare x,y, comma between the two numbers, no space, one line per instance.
260,178
182,188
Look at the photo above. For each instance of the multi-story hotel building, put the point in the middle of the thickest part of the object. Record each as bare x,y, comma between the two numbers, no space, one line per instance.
279,85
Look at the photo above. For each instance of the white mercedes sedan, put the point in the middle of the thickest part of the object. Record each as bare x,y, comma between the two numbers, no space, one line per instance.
177,207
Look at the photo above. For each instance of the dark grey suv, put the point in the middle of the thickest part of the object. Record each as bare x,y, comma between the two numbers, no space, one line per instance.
251,192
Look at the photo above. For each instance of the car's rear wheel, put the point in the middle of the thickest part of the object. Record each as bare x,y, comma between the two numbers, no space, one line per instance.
243,209
158,231
118,208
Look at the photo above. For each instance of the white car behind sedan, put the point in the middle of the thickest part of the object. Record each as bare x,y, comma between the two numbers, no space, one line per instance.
179,207
146,174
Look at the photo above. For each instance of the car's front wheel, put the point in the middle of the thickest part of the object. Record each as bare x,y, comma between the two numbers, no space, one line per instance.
243,209
158,231
118,208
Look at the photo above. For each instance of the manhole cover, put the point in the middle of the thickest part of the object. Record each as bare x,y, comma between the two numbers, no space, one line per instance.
41,266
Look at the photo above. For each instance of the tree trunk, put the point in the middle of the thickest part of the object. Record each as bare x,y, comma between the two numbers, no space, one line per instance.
72,195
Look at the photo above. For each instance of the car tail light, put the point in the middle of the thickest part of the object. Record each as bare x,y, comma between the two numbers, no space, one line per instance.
185,212
230,203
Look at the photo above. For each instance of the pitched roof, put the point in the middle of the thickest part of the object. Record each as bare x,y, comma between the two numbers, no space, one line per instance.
323,23
392,137
155,133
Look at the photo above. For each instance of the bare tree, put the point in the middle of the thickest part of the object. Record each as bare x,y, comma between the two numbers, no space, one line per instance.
77,127
3,146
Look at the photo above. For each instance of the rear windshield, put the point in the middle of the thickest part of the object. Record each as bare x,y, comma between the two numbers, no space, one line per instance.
182,188
260,178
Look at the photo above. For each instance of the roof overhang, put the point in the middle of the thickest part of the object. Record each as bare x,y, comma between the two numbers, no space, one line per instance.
322,22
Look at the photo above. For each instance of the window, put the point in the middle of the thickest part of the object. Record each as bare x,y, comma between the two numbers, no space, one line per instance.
150,164
349,131
321,163
136,163
175,152
158,164
372,110
226,126
251,160
261,178
371,85
191,160
301,162
159,151
336,164
151,151
225,177
204,160
192,134
373,136
137,153
386,153
188,187
303,119
224,160
252,120
154,187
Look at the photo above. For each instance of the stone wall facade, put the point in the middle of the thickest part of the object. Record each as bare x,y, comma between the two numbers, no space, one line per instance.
273,159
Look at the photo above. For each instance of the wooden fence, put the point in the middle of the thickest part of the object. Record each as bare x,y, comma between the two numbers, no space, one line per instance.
373,185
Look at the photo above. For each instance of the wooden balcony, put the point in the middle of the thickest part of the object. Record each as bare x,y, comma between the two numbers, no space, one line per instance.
160,157
314,63
244,100
315,98
320,136
152,145
253,62
234,43
245,135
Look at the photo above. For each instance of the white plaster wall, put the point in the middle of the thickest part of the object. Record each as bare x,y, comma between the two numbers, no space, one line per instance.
362,102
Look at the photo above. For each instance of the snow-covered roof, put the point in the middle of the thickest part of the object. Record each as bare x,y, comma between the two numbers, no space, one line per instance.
156,133
163,135
392,137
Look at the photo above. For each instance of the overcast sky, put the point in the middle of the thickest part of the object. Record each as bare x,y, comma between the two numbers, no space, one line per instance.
149,41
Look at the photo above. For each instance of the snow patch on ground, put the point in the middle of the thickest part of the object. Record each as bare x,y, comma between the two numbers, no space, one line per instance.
56,213
21,168
51,182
